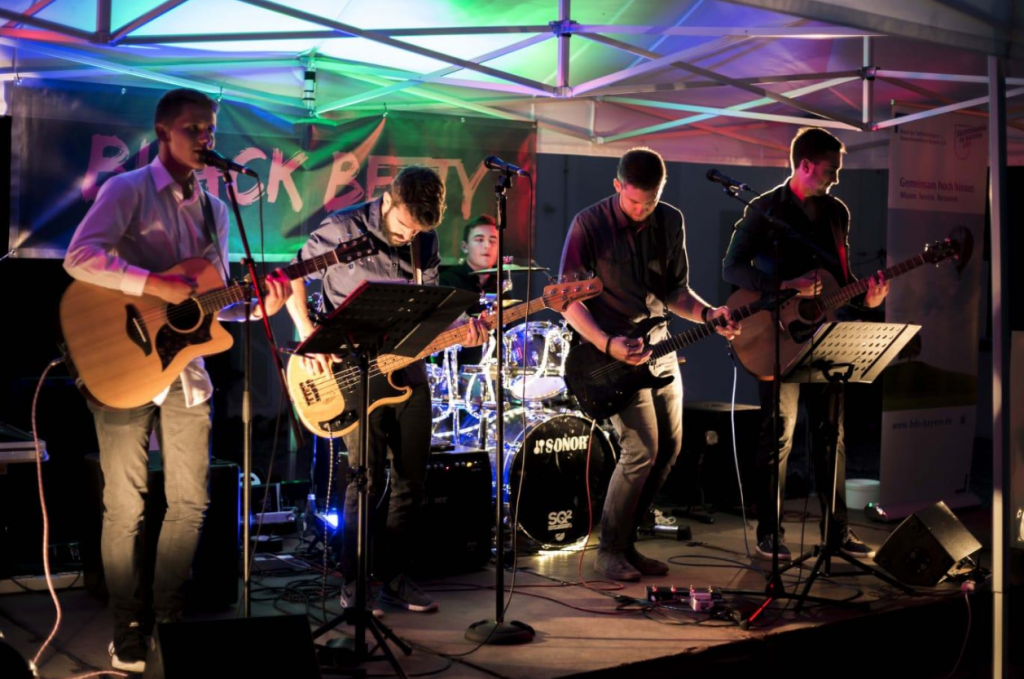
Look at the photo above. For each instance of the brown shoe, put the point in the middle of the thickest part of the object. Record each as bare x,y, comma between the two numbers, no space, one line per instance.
645,565
615,566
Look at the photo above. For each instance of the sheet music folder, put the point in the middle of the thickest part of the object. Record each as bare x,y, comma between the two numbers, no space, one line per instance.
389,317
858,352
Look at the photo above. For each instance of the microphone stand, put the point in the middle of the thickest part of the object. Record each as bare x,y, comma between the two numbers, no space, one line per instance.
250,265
497,631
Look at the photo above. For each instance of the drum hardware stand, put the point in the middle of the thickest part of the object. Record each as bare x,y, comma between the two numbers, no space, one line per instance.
497,631
377,318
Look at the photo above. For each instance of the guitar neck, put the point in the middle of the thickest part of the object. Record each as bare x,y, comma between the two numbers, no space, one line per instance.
455,336
699,332
838,298
215,300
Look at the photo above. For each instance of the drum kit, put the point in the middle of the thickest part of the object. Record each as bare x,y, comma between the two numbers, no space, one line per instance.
550,448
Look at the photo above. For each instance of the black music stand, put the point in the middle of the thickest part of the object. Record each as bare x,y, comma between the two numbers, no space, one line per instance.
377,318
840,353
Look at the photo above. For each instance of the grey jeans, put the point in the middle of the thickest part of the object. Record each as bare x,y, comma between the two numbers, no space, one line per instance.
184,435
651,435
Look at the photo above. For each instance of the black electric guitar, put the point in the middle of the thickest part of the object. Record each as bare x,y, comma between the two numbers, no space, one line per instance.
604,386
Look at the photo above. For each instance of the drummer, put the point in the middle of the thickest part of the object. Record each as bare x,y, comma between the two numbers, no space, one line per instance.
480,246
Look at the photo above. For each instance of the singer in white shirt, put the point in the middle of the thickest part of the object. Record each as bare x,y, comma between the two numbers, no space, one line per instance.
143,222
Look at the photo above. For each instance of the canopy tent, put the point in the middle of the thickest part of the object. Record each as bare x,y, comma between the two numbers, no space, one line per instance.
702,80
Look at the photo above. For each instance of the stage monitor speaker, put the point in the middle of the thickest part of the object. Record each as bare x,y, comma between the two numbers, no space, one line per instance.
253,648
923,549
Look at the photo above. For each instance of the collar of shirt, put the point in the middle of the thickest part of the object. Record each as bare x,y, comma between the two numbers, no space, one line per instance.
162,179
375,220
623,221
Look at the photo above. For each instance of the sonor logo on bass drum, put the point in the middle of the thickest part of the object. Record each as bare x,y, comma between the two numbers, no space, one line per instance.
560,520
562,444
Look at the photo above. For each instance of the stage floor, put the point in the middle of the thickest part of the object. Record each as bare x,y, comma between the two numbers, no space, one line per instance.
605,633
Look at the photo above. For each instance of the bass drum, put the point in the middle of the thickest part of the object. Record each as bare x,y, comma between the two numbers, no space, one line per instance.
546,471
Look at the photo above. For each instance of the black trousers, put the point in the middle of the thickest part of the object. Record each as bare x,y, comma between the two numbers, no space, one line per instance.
403,432
825,404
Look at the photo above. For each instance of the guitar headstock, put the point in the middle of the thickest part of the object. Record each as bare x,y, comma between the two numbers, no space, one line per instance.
941,250
560,295
354,249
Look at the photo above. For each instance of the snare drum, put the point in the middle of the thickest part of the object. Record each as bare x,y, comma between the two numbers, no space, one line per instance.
535,356
545,470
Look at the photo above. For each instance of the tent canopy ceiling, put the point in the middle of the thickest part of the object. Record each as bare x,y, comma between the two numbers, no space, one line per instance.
701,80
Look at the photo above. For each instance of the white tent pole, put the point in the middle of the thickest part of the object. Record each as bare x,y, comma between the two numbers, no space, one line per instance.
563,46
143,19
999,234
970,103
868,85
944,77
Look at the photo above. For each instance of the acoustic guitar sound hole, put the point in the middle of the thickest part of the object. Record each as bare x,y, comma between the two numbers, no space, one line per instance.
185,316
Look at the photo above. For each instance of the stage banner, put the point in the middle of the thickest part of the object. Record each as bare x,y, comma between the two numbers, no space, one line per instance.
68,139
937,190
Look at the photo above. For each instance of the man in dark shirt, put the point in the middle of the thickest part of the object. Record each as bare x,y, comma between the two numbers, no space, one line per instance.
402,221
480,245
636,245
804,203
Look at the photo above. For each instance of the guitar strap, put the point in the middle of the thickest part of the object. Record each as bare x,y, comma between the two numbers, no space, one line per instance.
209,227
663,256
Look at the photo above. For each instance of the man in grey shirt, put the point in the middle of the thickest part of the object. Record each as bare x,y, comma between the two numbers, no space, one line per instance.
402,223
636,245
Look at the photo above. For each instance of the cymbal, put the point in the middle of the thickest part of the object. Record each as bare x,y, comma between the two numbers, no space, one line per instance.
505,303
513,268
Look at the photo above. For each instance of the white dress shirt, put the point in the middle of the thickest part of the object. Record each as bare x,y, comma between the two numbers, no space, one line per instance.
141,223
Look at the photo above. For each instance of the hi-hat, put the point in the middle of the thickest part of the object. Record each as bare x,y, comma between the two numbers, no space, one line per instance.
514,268
491,298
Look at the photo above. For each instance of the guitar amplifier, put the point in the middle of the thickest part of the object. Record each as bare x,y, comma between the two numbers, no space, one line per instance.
457,520
215,576
706,469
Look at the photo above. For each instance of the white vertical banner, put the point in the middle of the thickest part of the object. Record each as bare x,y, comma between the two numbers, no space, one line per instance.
938,173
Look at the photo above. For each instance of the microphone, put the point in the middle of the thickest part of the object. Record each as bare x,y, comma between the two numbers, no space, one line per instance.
214,159
714,175
497,164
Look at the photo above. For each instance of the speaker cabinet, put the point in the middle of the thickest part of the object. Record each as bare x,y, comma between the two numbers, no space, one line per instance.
705,472
214,581
253,648
457,519
923,549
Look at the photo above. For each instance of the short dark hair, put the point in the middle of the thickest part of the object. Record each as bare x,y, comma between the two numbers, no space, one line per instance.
482,220
170,105
421,190
813,143
643,168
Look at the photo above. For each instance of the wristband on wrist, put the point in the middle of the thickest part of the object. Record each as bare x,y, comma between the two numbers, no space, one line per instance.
608,345
704,313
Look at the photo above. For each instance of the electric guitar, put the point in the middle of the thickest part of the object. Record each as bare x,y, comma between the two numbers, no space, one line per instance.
126,349
800,317
603,386
328,404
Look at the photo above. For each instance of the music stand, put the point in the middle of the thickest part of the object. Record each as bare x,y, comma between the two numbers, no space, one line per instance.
379,317
840,353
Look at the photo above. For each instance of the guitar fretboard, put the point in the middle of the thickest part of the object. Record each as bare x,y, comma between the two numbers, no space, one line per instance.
699,332
838,298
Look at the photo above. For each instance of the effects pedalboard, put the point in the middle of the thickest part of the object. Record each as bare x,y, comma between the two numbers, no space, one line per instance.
702,600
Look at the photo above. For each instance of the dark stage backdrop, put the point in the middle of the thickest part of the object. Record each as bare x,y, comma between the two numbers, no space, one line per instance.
69,138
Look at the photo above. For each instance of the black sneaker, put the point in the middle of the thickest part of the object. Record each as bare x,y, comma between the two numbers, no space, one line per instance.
128,649
855,547
348,599
644,564
403,592
764,549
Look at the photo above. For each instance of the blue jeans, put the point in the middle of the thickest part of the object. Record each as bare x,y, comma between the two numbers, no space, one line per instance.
184,435
650,433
